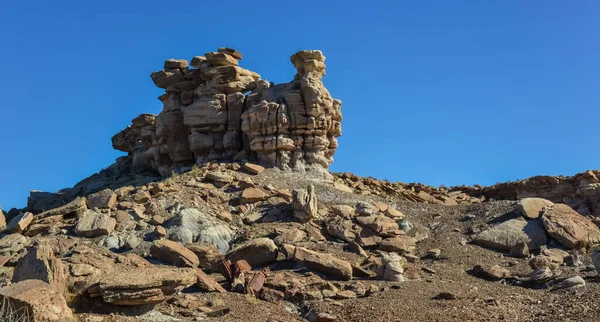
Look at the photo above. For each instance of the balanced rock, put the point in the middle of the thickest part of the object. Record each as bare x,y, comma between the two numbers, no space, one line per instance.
570,228
531,208
206,115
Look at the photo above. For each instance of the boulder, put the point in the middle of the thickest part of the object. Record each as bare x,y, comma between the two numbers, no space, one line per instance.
290,236
257,252
253,168
208,254
531,208
570,228
13,245
174,253
93,224
343,211
510,233
104,199
324,263
191,225
19,223
491,271
39,300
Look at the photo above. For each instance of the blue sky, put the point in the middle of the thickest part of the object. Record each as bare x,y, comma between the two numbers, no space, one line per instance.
439,92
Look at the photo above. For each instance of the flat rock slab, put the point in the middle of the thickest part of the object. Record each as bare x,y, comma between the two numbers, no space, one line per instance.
174,253
93,224
569,227
324,263
257,252
510,233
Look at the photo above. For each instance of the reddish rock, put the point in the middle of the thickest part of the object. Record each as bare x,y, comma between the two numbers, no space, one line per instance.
252,195
174,253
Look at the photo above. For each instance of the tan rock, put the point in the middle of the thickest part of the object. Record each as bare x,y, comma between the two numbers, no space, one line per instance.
19,223
531,208
394,214
141,196
257,252
253,168
207,283
400,244
290,236
208,255
491,271
343,211
104,199
174,253
304,203
324,263
381,206
41,264
176,63
570,228
76,207
39,299
93,224
252,195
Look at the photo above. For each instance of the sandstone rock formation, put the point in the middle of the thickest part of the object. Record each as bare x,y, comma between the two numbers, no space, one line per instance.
208,116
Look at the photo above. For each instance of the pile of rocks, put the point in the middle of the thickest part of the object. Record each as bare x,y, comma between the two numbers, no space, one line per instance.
207,116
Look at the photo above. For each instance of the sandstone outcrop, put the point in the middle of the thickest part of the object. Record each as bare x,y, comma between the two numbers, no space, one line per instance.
208,116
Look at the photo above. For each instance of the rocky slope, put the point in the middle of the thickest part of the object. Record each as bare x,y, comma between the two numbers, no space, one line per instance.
257,229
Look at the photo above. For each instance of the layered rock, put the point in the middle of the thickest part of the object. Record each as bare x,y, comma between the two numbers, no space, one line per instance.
207,116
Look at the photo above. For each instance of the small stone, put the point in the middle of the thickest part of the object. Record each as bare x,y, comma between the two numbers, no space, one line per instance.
252,195
394,214
491,271
225,216
157,220
253,168
433,253
161,232
175,63
353,247
141,197
291,236
520,250
345,295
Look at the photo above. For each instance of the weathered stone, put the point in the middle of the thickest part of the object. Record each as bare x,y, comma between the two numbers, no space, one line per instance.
510,233
257,252
207,283
141,196
575,281
252,195
40,300
19,223
491,271
570,228
174,253
343,211
176,63
40,264
400,244
190,225
253,168
76,207
531,208
104,199
93,224
290,236
394,214
208,255
324,263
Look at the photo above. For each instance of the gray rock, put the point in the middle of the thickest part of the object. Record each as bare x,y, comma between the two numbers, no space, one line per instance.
190,225
508,234
575,281
12,244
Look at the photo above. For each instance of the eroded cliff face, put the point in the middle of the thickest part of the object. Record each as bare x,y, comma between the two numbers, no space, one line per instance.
216,110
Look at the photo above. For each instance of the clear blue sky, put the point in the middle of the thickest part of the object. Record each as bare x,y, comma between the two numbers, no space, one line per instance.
439,92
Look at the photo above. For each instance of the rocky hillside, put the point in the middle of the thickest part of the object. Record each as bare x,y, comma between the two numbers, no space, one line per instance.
224,210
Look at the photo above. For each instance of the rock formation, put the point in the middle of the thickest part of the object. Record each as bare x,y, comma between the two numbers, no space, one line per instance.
208,116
